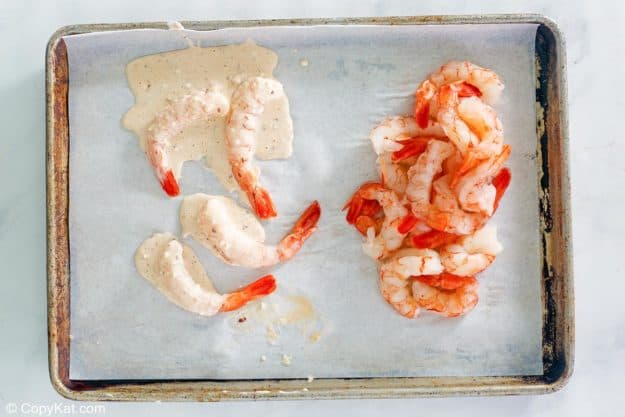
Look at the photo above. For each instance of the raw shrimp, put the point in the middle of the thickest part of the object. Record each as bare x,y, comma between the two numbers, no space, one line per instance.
395,277
471,254
475,190
175,270
478,81
167,124
398,220
452,297
248,104
216,225
384,136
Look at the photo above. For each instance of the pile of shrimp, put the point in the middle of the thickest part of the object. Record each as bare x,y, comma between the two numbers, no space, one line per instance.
441,178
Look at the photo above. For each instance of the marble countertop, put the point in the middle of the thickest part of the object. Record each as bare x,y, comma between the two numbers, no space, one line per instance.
595,45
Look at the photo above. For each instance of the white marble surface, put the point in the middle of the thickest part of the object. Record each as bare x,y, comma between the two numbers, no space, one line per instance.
595,35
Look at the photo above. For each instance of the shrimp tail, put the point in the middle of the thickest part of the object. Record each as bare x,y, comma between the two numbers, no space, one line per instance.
422,114
262,203
411,147
501,183
432,239
407,224
169,184
357,205
445,281
354,207
307,222
257,289
425,93
303,229
364,223
469,162
468,90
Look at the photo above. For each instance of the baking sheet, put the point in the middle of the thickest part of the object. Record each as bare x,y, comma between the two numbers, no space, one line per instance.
122,328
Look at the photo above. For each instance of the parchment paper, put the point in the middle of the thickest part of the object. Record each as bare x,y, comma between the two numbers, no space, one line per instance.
122,327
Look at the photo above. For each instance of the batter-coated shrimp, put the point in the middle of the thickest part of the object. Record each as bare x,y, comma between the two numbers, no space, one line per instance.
215,225
167,124
397,222
384,136
454,296
395,277
472,254
248,104
181,278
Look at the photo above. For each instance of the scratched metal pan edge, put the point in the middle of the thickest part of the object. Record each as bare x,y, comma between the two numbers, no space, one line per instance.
557,277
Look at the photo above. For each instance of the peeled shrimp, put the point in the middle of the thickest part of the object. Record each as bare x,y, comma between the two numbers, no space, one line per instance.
175,270
446,294
384,136
446,215
443,213
396,224
422,173
224,227
475,190
470,124
395,277
479,81
392,175
167,124
248,104
471,254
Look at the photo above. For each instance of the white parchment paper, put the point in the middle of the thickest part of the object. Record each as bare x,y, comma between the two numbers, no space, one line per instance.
122,327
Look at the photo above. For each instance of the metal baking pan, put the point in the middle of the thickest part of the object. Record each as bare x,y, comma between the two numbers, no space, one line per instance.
556,251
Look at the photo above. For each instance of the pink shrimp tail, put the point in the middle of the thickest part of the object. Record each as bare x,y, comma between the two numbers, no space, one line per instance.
468,90
469,162
424,94
445,281
169,184
357,205
411,147
363,223
257,289
422,114
262,203
303,229
501,183
432,239
407,224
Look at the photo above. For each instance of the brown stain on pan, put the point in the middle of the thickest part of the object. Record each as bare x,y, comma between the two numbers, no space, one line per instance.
57,192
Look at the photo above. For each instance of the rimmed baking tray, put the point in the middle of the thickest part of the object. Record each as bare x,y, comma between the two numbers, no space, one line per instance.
557,337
